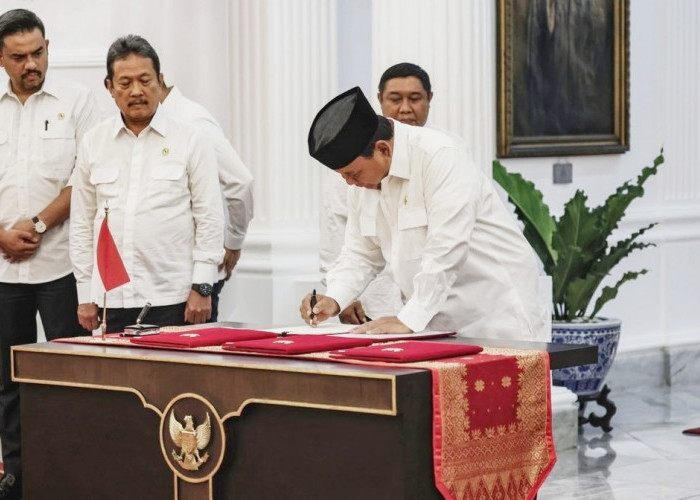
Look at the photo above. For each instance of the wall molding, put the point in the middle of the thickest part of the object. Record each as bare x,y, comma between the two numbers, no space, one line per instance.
75,60
676,224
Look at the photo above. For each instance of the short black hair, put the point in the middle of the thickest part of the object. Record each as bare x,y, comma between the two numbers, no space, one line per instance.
124,46
402,70
19,21
384,132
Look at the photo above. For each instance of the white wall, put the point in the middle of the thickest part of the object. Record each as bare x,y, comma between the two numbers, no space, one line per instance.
657,309
264,67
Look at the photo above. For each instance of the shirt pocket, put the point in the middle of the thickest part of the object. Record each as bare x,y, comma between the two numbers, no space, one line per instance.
168,183
412,232
57,140
105,179
168,171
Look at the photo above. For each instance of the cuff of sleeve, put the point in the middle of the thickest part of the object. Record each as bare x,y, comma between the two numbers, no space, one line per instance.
84,296
414,316
204,272
233,241
341,296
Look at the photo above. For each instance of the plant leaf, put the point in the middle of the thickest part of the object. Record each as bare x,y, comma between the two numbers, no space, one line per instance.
532,212
610,293
574,249
577,242
615,206
580,292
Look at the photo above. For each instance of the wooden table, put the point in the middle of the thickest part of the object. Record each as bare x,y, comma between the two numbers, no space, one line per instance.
95,424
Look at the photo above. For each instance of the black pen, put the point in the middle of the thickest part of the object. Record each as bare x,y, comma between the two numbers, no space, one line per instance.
143,313
313,304
46,125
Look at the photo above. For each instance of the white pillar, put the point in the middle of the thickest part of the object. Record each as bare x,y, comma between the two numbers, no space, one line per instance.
454,41
283,69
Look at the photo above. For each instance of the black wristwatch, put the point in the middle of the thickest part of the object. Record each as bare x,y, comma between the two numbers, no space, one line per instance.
203,289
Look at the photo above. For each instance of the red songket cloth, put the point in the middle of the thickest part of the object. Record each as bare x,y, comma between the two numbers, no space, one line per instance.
403,352
296,344
200,337
492,424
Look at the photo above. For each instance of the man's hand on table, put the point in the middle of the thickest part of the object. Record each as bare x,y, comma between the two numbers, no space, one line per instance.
387,324
354,314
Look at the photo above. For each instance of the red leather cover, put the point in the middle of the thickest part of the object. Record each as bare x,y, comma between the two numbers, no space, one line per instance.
296,344
411,350
201,337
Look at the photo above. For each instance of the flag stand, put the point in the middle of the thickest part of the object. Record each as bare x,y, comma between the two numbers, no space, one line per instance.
104,317
104,302
109,264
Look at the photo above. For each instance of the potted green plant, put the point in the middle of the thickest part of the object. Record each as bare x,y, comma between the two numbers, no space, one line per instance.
577,252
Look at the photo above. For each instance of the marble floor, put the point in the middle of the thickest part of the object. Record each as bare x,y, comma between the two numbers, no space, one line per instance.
644,457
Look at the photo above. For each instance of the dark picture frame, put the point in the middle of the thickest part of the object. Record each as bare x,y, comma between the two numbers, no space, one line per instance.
563,77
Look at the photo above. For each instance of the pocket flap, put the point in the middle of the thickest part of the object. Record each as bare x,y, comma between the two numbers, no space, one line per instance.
56,129
104,175
412,217
170,171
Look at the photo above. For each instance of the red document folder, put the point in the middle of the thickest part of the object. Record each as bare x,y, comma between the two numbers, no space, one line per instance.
412,350
295,344
201,337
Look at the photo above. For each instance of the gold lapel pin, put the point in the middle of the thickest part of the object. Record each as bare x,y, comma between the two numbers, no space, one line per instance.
165,152
61,116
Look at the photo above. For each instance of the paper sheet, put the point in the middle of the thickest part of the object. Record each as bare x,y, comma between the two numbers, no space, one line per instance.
343,331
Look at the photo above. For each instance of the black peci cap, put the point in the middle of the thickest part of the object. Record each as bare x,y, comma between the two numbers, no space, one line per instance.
342,129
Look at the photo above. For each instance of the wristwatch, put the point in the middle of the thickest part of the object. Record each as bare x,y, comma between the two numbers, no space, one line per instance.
39,225
203,289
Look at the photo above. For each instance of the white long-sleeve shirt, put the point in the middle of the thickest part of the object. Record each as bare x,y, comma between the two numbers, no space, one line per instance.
381,297
454,251
235,179
165,211
38,143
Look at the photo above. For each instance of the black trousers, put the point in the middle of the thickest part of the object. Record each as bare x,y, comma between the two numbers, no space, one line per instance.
173,315
57,304
218,286
118,318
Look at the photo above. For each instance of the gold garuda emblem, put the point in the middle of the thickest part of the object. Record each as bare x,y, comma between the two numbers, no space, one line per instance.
190,441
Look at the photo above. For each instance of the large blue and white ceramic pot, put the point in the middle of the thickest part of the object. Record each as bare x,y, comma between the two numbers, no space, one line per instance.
603,332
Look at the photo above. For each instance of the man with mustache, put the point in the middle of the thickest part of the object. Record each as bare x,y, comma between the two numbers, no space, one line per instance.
42,121
419,205
158,177
404,94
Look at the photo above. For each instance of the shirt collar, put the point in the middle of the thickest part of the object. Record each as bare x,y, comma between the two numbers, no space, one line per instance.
173,96
158,123
399,155
49,87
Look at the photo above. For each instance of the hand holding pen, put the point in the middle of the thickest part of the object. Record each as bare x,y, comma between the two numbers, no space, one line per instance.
317,308
313,304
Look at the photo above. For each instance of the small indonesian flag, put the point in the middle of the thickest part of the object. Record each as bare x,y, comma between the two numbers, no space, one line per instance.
109,262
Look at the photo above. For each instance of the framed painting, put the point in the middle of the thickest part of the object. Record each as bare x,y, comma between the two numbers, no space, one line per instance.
563,77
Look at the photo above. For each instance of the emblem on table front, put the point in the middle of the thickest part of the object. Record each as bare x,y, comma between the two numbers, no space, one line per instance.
190,440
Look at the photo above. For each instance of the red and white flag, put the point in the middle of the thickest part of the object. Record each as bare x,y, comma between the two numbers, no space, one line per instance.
109,262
